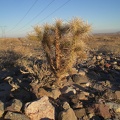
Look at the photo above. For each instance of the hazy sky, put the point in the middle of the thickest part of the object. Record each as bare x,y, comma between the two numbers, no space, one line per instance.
17,17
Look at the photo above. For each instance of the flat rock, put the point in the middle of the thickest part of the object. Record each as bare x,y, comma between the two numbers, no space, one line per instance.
15,116
40,109
78,79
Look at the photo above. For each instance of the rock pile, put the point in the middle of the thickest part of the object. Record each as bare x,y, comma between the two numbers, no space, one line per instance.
91,93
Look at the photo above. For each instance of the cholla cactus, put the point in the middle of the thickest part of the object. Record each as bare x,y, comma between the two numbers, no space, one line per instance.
63,44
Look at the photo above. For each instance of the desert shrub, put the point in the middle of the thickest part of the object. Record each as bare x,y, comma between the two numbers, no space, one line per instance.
37,69
62,43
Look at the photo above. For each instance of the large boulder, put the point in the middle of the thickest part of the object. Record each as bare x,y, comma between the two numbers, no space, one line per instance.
40,109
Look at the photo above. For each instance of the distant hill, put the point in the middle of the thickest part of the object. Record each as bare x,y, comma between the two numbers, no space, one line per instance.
113,33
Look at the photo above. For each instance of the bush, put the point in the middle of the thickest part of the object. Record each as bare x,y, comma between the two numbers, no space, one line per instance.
62,43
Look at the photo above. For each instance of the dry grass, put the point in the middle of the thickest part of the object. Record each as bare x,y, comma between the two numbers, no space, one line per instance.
105,43
13,50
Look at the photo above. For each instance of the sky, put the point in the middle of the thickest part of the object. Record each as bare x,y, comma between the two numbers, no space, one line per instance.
18,17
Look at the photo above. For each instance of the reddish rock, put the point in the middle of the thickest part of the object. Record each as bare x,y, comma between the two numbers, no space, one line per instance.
103,110
107,65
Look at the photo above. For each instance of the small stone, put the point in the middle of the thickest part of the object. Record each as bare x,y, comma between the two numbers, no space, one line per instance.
82,73
15,116
86,93
88,84
80,112
40,109
82,96
117,67
107,65
74,99
66,106
107,83
56,93
80,79
1,108
42,92
85,117
78,105
91,115
102,62
118,110
108,58
15,106
103,110
114,63
67,115
99,57
117,93
68,91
